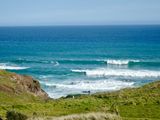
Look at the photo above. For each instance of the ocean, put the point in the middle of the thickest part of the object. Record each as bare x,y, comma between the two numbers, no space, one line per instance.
77,59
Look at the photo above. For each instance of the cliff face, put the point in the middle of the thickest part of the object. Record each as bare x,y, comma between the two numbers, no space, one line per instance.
17,84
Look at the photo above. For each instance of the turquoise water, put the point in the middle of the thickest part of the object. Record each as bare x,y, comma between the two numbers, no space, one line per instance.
75,59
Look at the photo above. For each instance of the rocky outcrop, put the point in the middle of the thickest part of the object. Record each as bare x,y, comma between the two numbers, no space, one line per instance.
27,83
20,84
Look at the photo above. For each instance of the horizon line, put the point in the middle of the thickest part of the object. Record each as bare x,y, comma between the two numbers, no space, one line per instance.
79,25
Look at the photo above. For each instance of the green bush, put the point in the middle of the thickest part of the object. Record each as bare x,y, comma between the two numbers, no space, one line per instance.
12,115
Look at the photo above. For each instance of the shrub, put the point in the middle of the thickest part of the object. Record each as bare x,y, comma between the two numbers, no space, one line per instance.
12,115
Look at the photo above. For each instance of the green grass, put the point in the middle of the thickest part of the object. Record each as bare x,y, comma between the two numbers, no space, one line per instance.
131,104
87,116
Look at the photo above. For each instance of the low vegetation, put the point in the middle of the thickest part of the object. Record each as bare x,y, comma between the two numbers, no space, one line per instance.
88,116
141,103
12,115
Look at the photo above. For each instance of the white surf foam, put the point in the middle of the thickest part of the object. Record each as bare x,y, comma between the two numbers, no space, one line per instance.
98,85
3,66
120,62
120,72
56,63
78,71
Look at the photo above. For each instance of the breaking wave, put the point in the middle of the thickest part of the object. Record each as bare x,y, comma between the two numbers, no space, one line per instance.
98,85
119,72
121,62
8,67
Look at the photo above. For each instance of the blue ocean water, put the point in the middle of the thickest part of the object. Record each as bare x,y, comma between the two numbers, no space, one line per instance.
75,59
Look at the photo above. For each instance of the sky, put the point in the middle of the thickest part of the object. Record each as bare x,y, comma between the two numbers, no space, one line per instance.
78,12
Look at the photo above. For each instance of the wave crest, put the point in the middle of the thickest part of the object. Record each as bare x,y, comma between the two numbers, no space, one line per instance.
121,62
119,72
7,67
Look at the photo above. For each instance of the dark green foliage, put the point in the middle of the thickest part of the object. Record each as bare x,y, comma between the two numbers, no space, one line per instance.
12,115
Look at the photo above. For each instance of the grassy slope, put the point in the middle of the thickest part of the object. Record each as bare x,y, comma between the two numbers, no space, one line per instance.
131,104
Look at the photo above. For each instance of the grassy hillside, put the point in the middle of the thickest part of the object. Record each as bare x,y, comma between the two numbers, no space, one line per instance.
131,104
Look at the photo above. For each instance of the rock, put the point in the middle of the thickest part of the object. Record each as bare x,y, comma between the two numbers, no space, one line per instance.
31,85
21,83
